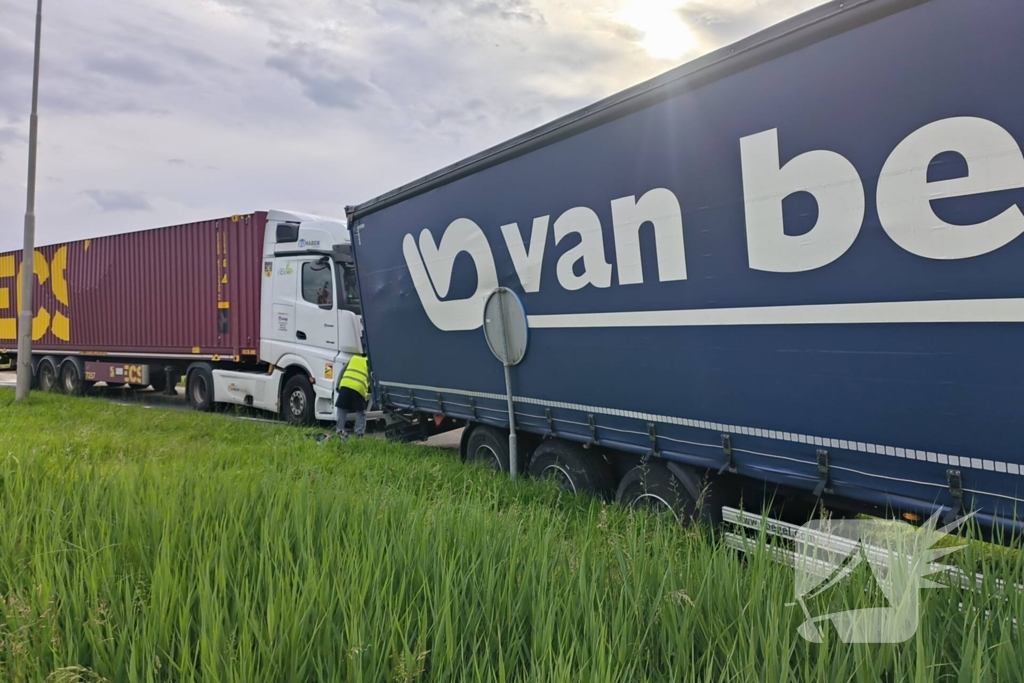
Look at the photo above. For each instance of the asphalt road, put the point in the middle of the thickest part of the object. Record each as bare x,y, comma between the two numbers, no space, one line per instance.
150,399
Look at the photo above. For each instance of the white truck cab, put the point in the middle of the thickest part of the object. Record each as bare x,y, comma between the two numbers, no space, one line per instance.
310,320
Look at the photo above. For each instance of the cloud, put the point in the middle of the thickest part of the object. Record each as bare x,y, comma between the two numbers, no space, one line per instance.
324,78
111,201
132,68
514,10
311,104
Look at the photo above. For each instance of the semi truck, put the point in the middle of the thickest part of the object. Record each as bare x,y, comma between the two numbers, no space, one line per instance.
258,310
791,269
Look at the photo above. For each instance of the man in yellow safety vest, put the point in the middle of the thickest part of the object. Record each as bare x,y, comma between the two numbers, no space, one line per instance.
353,390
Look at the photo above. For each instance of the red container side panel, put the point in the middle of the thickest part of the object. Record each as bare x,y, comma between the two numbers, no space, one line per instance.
186,290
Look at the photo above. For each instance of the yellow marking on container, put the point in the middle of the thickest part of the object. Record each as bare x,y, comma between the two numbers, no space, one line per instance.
216,356
224,263
88,243
195,349
57,267
224,280
61,327
235,219
8,326
238,359
7,270
223,305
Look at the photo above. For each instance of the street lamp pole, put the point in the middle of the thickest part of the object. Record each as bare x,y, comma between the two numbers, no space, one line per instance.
29,250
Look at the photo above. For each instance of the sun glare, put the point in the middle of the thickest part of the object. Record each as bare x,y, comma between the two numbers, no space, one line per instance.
665,34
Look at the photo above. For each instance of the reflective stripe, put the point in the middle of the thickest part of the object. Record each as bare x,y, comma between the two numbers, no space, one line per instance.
356,376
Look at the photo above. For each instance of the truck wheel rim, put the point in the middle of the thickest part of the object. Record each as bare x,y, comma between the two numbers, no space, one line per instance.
70,381
563,478
654,503
46,377
199,391
298,403
486,453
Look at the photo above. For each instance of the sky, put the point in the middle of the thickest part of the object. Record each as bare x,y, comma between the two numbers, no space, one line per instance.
156,113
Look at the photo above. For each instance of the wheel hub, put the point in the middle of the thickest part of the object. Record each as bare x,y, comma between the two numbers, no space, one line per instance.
298,403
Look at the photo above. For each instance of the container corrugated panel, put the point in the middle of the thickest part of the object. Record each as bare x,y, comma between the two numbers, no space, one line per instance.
185,290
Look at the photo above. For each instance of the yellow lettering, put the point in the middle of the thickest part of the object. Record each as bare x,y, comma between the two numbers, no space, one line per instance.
59,284
8,326
61,327
6,271
41,269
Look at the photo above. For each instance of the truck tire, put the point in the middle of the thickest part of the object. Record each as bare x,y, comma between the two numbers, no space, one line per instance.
199,388
47,376
72,379
652,486
488,446
297,401
575,470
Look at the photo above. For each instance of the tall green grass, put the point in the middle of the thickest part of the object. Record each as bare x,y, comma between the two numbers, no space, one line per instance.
149,545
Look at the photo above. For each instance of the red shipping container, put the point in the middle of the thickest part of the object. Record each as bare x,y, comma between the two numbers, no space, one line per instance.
184,291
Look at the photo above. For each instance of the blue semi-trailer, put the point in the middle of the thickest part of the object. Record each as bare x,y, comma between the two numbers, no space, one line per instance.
794,265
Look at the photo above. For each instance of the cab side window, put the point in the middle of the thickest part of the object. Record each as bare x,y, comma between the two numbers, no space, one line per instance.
317,285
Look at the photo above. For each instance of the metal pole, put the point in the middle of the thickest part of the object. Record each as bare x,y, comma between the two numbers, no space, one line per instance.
513,454
29,250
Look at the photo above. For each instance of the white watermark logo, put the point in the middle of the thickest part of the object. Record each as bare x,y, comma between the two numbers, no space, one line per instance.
900,559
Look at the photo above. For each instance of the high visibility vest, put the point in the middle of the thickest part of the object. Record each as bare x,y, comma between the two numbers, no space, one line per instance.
356,376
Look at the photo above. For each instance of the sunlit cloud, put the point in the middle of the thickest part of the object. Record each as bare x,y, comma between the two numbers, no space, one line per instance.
664,33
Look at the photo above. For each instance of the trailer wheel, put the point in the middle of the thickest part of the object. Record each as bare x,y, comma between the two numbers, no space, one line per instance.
298,401
488,446
575,470
71,378
199,388
653,487
47,374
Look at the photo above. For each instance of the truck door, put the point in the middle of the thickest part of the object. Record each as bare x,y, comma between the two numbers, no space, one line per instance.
316,317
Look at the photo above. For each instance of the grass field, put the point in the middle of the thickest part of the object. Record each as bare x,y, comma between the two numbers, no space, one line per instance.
149,545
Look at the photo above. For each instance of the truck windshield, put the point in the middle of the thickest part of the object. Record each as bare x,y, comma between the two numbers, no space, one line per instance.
350,288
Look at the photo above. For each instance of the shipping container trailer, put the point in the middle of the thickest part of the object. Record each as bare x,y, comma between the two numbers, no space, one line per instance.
249,309
792,266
